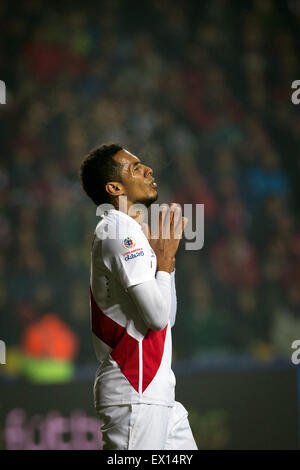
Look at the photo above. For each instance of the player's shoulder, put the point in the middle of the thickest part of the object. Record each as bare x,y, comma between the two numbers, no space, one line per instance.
116,227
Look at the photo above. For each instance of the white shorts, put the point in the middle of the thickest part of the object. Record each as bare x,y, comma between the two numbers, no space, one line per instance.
146,427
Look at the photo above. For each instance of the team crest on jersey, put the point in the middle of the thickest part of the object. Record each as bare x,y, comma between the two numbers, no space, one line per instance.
129,242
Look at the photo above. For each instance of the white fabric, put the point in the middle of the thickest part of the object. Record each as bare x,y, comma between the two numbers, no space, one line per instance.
115,268
146,427
114,228
153,300
173,300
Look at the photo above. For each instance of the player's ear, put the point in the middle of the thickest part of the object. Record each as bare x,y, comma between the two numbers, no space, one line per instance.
114,188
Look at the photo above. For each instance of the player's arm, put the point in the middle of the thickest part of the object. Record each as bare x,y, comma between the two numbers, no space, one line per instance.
156,300
165,249
173,300
153,296
151,293
153,299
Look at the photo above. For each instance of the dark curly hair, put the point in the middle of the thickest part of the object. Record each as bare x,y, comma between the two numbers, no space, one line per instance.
97,168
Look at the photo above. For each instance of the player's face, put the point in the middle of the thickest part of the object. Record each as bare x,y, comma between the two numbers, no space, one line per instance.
137,179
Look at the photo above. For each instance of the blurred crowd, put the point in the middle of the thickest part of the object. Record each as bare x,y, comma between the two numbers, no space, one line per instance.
200,91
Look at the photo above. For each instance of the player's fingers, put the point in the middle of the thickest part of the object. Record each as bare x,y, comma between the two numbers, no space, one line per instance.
184,222
180,226
172,211
146,230
173,216
157,226
177,222
163,217
168,222
177,215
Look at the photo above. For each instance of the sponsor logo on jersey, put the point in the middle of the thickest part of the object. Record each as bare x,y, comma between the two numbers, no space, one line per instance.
134,255
131,251
129,242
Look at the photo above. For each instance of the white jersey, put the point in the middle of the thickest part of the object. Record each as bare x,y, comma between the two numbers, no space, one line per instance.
135,361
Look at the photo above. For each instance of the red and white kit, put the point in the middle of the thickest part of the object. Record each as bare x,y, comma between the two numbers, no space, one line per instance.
128,295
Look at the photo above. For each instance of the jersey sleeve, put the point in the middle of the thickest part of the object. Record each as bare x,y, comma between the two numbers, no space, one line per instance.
153,299
174,300
128,256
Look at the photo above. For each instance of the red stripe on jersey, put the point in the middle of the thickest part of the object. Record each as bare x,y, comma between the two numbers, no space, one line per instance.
125,347
153,349
126,354
104,327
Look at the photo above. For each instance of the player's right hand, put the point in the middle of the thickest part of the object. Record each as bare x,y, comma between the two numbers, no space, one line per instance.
165,243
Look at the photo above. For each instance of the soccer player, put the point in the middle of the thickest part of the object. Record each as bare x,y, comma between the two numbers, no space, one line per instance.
133,308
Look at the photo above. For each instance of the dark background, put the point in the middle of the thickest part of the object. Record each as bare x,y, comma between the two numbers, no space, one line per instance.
242,409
